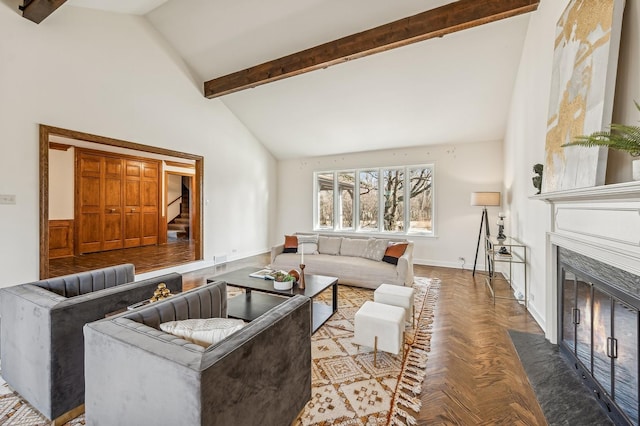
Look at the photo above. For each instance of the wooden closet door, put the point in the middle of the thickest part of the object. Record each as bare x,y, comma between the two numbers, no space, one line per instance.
99,202
141,202
88,204
150,190
132,204
112,229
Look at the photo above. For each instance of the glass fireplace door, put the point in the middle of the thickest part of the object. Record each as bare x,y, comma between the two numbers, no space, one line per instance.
583,319
602,339
569,310
625,363
577,317
601,332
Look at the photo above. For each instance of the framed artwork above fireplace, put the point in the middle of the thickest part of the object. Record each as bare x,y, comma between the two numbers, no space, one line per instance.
582,87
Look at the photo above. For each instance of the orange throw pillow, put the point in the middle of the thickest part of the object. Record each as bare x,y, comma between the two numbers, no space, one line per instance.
290,244
393,252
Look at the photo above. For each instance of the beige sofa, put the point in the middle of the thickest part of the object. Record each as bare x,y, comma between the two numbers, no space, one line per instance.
348,258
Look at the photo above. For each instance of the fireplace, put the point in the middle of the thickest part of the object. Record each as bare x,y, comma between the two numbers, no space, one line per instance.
598,312
592,290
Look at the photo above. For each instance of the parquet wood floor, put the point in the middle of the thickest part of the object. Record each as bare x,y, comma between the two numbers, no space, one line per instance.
474,376
145,259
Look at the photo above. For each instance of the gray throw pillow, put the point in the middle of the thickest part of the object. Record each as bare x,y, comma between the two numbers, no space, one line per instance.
353,247
329,245
375,249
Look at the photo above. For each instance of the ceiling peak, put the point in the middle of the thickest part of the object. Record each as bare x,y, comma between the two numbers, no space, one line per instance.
437,22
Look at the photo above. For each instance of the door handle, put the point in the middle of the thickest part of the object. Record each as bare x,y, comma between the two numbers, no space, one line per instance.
133,210
612,347
112,210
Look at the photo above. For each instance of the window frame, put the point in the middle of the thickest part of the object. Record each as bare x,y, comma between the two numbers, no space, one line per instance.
316,202
337,201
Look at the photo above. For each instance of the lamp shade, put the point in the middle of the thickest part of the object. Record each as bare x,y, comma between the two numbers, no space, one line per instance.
485,198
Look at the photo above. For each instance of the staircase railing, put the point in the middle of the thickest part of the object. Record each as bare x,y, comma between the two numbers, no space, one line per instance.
173,209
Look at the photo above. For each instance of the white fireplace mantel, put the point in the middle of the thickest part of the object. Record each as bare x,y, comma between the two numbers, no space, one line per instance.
600,222
627,190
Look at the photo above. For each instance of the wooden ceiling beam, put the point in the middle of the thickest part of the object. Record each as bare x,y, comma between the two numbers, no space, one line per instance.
438,22
38,10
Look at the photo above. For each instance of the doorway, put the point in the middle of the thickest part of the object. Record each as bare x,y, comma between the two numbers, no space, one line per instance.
178,189
195,203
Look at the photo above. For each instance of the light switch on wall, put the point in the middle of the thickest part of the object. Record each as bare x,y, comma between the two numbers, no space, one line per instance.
7,199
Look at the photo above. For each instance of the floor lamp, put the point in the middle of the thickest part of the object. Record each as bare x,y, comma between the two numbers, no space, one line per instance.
483,199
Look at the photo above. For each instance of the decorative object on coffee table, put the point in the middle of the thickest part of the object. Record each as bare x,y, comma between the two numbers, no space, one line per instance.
160,293
283,281
295,274
301,282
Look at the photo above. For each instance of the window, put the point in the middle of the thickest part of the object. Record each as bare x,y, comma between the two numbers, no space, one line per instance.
420,199
393,185
369,204
324,183
392,200
346,191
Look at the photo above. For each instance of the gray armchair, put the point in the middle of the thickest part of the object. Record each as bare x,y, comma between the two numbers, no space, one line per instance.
139,375
42,341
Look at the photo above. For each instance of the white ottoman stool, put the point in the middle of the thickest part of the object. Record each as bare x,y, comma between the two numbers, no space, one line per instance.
380,326
397,296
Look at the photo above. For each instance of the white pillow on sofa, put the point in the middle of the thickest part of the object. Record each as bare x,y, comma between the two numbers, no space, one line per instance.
204,331
308,244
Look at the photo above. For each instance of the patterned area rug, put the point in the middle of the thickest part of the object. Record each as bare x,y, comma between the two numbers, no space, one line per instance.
347,389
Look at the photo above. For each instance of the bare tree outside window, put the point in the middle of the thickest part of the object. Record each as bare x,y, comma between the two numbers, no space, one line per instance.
380,204
347,186
325,200
393,185
369,202
420,200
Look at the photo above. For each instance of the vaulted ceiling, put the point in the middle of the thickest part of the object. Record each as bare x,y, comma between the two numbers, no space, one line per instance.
454,89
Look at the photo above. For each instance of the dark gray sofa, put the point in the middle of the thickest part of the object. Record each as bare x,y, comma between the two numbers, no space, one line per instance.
42,341
139,375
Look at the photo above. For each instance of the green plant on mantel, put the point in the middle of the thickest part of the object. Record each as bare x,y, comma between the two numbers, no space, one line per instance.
620,136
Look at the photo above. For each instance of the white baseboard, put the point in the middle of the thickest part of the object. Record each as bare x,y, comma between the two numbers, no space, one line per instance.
187,267
448,264
194,266
536,316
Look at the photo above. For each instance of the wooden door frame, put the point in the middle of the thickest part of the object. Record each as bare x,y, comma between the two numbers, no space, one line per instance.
193,215
47,131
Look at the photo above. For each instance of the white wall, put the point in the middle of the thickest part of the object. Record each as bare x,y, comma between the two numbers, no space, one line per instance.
113,75
459,170
526,134
61,183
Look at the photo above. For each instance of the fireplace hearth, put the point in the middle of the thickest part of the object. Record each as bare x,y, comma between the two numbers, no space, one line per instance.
598,330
